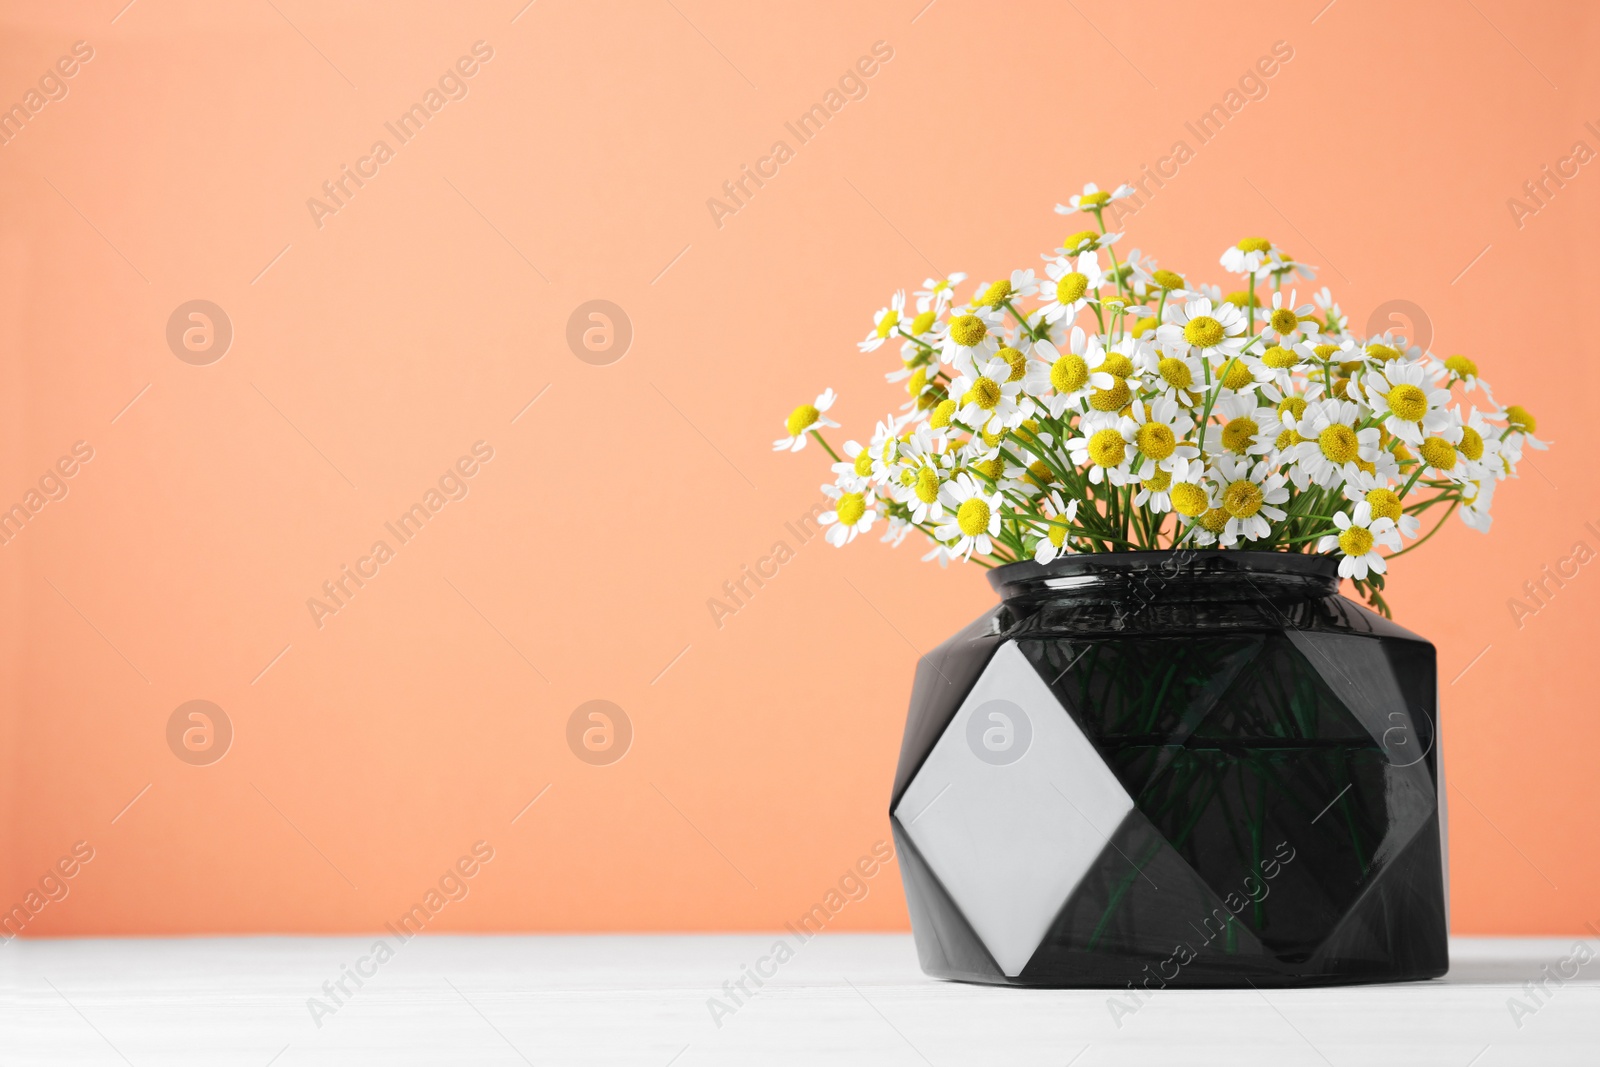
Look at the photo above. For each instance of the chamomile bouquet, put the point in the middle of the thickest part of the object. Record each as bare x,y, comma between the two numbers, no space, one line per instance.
1109,404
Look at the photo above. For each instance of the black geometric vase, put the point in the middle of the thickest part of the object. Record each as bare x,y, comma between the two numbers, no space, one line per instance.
1184,769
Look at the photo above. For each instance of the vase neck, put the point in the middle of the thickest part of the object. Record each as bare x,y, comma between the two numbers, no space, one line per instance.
1185,574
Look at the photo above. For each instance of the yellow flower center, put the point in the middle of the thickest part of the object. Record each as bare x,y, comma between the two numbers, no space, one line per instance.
1018,362
1117,364
1144,325
1156,440
863,464
1292,405
1382,353
1157,482
1518,418
1090,201
1279,358
1069,373
1071,287
1471,444
1242,499
1176,373
1438,453
985,392
1355,541
890,320
1203,331
1107,448
1168,280
1283,320
1215,520
800,418
990,468
1089,237
1188,499
1039,473
1461,367
972,517
1114,399
908,477
1287,439
851,507
1384,504
1238,375
1239,433
1338,442
1255,244
1324,351
923,322
1242,298
1057,534
996,294
1408,402
941,414
991,439
968,331
917,382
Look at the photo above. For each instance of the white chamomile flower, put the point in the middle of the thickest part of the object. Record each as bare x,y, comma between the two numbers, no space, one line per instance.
1155,492
1477,498
1461,369
884,322
1287,323
1074,283
1247,257
1093,198
996,294
804,420
1179,377
1105,445
1250,496
1073,373
854,472
895,531
1207,329
939,292
1240,429
1276,363
1331,444
1332,315
1408,403
1160,430
976,517
1052,544
988,397
972,334
1521,424
1284,265
853,514
1358,539
1380,497
922,495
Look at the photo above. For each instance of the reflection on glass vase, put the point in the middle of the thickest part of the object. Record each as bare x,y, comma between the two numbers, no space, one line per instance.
1189,768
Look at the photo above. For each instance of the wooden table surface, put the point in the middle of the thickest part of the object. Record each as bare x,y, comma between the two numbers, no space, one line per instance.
648,1001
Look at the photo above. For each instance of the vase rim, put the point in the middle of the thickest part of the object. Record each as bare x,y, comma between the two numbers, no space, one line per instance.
1190,563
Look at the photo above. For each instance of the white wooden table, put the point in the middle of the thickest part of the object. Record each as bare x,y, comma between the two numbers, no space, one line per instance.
643,1000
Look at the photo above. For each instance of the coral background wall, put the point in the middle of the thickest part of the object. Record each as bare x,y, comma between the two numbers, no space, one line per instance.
380,338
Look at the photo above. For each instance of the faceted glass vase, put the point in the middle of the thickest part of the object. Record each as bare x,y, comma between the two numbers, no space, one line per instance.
1175,769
